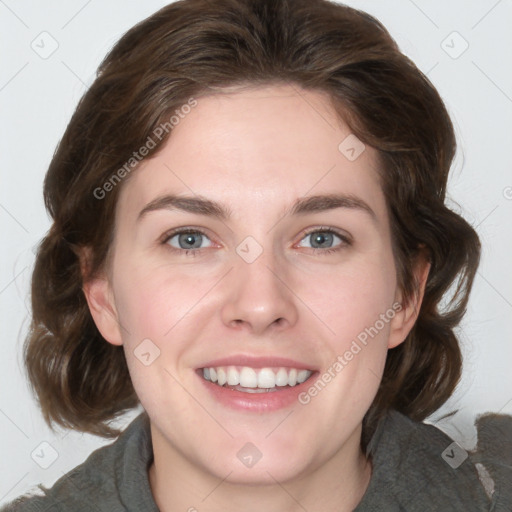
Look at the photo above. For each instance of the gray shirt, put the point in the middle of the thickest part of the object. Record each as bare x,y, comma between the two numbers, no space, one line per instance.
416,467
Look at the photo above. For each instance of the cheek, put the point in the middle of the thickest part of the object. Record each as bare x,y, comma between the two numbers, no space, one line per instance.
356,305
152,300
154,305
352,297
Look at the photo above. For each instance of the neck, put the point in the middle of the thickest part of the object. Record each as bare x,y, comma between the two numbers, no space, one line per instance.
337,484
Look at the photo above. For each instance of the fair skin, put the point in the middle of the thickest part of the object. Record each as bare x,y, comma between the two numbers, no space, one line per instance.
256,152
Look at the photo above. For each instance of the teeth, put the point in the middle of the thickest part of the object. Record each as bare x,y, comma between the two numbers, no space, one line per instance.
221,376
302,375
282,377
248,378
264,378
233,376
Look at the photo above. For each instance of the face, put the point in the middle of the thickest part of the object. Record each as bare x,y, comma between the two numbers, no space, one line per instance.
254,251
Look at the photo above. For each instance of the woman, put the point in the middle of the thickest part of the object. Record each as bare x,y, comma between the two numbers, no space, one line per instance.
250,240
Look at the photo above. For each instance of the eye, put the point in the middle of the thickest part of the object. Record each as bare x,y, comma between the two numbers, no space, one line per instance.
188,239
323,239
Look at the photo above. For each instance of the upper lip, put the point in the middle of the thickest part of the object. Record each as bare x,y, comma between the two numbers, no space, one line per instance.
257,362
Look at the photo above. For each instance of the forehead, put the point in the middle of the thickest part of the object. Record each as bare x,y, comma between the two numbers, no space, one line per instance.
271,144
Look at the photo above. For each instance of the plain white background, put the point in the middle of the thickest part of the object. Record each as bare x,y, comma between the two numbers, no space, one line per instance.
464,48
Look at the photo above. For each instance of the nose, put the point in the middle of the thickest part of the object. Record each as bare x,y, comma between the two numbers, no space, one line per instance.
259,299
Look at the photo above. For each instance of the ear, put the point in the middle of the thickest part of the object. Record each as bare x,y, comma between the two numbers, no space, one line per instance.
100,299
407,314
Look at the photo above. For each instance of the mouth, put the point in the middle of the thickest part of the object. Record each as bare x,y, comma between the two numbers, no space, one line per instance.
246,379
255,384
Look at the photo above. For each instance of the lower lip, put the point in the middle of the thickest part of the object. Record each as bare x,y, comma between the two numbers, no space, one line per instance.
256,402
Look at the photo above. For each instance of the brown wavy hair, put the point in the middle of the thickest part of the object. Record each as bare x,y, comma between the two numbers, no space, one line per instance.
186,50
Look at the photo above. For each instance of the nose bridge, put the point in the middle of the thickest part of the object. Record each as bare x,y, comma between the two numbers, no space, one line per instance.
258,297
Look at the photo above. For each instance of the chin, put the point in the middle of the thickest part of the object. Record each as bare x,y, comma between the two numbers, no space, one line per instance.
261,473
247,464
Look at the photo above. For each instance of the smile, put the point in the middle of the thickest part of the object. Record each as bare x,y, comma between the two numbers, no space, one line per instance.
255,380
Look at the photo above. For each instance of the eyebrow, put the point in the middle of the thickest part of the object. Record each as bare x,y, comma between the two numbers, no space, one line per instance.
196,204
303,205
320,203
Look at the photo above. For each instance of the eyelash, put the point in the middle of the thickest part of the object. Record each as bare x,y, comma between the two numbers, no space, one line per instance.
345,240
183,231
